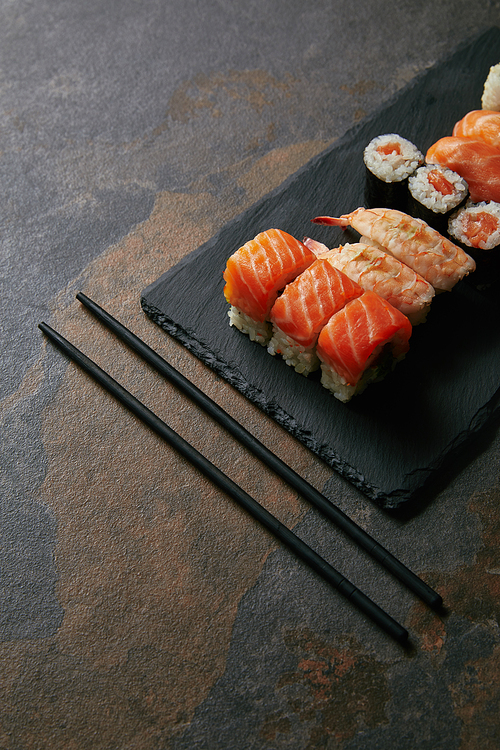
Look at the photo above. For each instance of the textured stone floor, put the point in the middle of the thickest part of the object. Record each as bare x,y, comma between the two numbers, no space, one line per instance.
139,607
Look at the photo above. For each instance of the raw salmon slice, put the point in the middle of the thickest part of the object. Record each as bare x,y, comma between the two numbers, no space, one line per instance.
354,338
481,125
261,268
309,302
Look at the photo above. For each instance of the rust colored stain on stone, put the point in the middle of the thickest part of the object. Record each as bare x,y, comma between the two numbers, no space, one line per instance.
257,88
473,591
336,687
361,88
476,697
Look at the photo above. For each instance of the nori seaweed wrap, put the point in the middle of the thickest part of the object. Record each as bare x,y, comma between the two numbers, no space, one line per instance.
435,192
389,160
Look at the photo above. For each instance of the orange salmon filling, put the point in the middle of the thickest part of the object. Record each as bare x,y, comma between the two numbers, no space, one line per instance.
389,148
440,183
480,227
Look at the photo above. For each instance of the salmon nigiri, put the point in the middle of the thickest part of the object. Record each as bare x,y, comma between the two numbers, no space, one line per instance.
474,160
412,241
360,344
377,271
307,303
480,124
256,273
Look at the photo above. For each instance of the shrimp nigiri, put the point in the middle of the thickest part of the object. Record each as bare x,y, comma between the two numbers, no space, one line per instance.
480,124
360,344
303,308
412,241
256,273
474,160
377,271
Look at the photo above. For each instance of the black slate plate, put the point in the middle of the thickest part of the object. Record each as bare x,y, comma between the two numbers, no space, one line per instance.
391,439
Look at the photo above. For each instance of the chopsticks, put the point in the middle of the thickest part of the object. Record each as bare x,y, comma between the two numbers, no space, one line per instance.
306,490
291,540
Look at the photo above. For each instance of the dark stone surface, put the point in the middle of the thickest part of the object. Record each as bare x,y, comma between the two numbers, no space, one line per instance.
139,608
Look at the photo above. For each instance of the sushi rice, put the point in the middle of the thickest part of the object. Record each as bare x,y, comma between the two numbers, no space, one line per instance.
255,330
470,216
336,384
303,359
491,93
395,165
379,365
389,160
423,191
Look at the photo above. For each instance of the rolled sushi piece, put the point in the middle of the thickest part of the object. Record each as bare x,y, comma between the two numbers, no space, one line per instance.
301,311
349,362
491,91
476,227
379,272
254,276
434,193
389,160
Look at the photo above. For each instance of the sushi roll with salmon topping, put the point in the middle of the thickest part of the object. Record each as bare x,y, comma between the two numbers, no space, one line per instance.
377,271
301,311
412,241
389,160
254,276
434,193
360,344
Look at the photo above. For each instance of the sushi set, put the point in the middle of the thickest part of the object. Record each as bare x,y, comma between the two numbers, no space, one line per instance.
312,319
322,256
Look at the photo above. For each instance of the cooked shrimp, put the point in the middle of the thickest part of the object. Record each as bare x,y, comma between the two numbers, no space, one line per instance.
411,240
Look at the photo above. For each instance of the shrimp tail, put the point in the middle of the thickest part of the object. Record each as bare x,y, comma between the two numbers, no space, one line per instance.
341,221
318,248
345,220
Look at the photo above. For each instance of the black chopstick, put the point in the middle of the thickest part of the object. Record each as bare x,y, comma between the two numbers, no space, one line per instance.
306,490
300,548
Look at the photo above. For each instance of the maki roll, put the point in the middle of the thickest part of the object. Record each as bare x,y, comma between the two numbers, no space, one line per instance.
389,160
434,193
350,362
476,227
303,308
254,276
